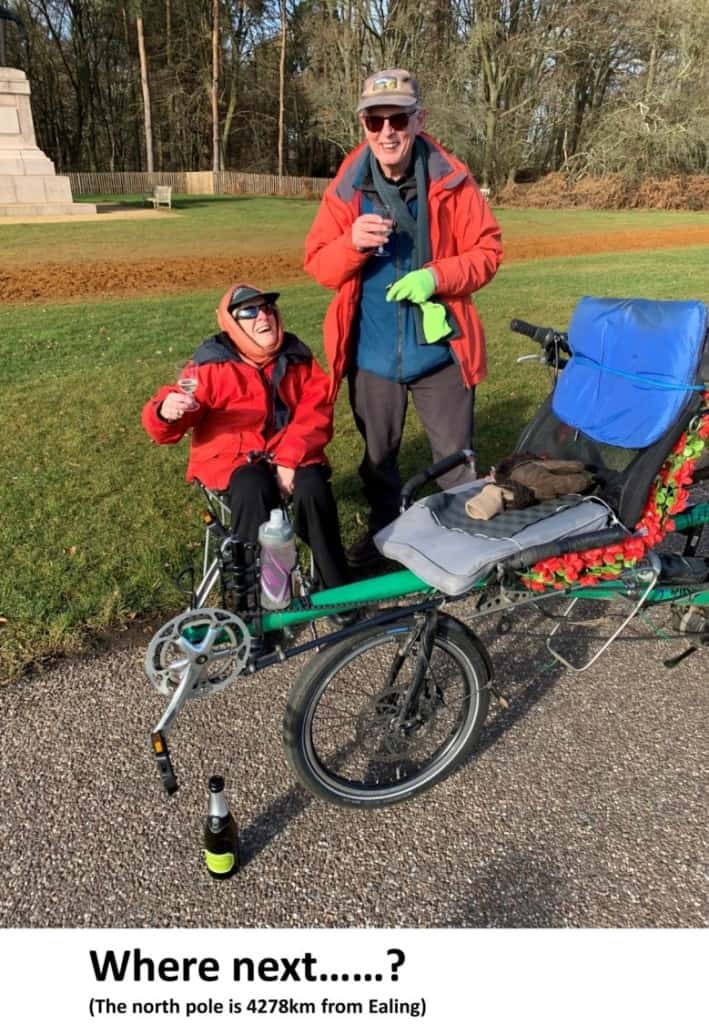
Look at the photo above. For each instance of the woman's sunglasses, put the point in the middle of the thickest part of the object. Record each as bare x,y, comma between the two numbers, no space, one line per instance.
375,122
251,312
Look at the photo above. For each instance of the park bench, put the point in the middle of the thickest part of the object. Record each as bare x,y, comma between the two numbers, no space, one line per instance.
162,196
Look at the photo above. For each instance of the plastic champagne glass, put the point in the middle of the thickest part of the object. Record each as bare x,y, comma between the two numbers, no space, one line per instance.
187,380
383,211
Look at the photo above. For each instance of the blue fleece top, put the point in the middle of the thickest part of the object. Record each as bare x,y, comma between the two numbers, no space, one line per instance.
384,332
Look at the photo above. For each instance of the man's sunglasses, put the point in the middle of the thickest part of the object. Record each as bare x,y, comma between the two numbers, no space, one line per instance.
251,312
375,122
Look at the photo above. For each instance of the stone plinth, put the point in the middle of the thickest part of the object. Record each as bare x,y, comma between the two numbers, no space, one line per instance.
29,185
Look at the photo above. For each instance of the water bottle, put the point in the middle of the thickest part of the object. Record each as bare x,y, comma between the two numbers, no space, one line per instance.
278,558
221,837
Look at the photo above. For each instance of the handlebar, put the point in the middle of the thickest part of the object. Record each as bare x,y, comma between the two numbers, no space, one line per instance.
553,342
432,473
554,549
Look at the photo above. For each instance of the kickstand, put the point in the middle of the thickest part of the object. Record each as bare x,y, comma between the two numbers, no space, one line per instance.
654,573
691,649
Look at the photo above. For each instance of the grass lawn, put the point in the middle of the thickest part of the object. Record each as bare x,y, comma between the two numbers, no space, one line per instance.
222,225
97,520
197,225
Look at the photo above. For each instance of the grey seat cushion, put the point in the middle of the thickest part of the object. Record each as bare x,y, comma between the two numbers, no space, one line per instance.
453,557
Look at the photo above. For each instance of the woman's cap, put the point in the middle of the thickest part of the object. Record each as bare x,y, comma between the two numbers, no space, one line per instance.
244,293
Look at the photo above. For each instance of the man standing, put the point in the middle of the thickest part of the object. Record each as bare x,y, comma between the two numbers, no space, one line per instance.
404,236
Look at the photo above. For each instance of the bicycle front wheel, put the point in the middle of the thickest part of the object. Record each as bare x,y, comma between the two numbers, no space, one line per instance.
356,731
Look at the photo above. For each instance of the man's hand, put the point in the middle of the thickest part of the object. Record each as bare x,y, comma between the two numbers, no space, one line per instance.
285,478
416,286
370,231
176,404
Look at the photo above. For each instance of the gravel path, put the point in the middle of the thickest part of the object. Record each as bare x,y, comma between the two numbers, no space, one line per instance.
586,805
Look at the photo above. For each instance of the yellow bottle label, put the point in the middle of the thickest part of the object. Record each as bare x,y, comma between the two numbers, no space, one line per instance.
219,863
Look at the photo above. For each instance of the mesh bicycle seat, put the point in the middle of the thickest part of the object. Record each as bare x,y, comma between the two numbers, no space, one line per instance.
641,368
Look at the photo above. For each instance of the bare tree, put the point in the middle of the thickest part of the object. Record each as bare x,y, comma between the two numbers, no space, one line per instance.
282,86
511,86
145,86
216,150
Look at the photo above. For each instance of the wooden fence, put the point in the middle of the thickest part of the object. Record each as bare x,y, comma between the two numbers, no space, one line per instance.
123,182
233,183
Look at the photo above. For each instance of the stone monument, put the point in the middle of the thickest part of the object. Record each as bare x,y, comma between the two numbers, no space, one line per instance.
29,185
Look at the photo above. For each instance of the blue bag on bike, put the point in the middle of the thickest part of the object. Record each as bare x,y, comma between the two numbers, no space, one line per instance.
633,368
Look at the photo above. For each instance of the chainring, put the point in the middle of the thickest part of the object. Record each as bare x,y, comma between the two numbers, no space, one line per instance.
213,642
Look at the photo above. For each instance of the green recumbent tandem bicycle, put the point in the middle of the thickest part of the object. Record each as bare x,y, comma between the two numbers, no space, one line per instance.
393,702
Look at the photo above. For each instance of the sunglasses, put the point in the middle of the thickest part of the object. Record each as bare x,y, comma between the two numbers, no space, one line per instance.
251,312
375,122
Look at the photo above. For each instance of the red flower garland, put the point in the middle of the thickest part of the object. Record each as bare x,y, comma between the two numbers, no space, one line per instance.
668,496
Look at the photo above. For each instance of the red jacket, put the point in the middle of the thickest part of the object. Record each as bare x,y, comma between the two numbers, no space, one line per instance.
465,246
283,409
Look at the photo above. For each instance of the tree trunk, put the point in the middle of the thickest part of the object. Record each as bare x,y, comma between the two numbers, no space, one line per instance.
168,33
216,163
281,94
146,96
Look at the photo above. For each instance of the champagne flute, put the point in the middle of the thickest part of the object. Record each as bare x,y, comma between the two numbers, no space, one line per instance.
383,211
187,380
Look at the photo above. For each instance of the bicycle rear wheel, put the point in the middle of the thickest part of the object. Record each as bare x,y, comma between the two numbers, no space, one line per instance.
352,736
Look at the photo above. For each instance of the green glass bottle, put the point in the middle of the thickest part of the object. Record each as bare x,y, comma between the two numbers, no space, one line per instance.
221,836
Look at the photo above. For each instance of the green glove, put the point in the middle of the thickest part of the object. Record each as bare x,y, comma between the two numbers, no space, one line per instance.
435,324
416,286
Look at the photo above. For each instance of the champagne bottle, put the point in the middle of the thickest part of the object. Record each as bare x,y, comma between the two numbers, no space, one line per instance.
221,837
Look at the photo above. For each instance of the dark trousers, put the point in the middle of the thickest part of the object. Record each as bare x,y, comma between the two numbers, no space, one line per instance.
445,408
253,493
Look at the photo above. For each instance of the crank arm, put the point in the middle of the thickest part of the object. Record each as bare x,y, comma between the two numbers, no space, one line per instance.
178,699
158,736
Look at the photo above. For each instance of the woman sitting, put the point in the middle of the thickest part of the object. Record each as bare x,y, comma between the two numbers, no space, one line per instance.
260,420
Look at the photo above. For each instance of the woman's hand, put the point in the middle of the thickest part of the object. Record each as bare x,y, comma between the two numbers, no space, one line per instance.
285,478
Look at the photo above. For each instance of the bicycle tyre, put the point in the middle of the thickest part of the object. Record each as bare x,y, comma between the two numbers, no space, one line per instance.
346,672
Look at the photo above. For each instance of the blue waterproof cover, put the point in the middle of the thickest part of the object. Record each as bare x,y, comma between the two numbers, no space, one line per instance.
633,367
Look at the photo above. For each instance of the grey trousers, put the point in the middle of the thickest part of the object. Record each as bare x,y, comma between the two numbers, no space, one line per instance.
445,408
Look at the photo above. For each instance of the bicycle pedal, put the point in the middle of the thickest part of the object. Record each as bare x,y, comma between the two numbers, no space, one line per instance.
164,763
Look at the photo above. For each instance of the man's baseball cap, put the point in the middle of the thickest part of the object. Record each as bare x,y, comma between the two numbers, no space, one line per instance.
391,88
246,293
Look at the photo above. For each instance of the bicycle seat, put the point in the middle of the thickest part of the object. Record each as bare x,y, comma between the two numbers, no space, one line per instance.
640,367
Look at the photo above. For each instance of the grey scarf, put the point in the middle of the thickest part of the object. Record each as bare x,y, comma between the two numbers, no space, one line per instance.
388,192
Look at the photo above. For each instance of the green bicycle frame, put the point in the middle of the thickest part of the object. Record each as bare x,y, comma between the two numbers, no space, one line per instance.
389,587
404,583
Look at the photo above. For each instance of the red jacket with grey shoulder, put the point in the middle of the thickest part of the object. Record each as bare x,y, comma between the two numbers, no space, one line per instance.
283,410
465,245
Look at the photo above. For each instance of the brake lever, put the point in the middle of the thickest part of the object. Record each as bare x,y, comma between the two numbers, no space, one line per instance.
531,358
